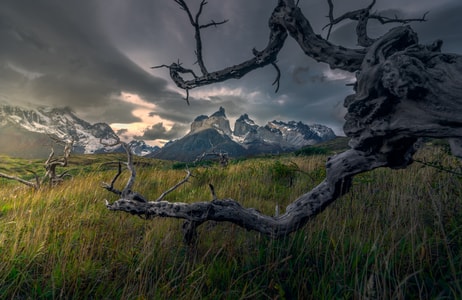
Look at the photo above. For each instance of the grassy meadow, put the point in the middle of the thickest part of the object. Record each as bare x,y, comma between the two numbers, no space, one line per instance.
396,235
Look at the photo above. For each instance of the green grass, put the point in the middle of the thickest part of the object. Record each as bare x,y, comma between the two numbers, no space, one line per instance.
396,235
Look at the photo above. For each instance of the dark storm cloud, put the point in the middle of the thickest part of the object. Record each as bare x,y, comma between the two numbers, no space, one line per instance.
115,112
75,63
85,54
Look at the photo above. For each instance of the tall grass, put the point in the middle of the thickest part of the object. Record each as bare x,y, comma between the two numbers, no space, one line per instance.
396,235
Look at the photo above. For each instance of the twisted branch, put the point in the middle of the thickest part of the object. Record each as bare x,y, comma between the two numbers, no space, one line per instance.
404,91
50,166
340,170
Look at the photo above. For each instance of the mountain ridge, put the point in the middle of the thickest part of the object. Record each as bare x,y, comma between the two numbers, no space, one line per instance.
213,133
28,132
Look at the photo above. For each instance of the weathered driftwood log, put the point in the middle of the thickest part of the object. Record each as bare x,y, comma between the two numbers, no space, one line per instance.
404,91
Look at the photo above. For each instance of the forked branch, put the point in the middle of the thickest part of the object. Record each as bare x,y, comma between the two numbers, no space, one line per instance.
340,170
285,19
197,30
127,192
50,166
52,163
261,58
362,16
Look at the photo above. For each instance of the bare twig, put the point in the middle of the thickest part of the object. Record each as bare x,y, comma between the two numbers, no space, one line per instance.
197,30
362,16
110,187
26,182
278,77
127,192
331,18
438,166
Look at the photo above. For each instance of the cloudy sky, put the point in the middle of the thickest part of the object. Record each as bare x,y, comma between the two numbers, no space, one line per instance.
94,56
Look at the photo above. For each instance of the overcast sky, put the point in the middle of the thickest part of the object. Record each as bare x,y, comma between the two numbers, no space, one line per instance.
94,56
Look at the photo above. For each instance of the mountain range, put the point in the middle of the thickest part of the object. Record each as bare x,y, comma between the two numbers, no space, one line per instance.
25,132
213,134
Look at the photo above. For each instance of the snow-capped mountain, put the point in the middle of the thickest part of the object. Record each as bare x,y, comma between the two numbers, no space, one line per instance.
61,123
287,136
140,148
213,133
28,132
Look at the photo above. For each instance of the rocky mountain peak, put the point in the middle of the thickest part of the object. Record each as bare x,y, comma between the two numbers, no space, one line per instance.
200,118
217,121
213,134
219,113
244,125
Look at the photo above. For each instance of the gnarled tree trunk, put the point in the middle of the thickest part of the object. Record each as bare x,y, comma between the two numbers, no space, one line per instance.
404,91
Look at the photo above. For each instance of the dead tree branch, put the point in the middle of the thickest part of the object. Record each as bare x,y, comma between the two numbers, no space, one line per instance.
35,185
340,170
110,187
362,16
222,157
404,91
52,163
127,190
286,18
261,58
197,30
50,166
